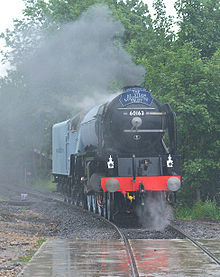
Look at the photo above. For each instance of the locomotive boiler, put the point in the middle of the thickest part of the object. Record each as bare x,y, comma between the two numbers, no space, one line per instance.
110,158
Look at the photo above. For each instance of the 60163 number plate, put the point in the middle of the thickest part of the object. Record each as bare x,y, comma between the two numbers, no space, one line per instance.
136,113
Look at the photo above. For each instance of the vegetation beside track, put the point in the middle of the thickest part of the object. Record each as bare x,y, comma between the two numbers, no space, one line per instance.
30,253
206,209
45,184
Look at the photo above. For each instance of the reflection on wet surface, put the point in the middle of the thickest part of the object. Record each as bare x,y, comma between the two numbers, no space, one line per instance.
65,258
213,245
172,258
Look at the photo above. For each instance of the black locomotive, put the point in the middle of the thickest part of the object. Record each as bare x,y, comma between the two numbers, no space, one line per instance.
111,157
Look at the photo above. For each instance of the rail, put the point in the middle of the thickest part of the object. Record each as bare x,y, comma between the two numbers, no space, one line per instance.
134,270
133,266
195,242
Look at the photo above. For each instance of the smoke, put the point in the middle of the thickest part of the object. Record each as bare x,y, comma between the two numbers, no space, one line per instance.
156,213
78,67
73,69
83,60
88,101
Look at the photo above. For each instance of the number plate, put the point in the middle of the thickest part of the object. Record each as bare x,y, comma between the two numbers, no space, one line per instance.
136,113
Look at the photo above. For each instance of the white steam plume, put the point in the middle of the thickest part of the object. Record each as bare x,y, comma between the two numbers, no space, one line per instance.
156,213
81,61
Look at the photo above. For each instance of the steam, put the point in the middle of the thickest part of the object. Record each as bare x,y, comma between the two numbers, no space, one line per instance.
83,60
73,69
156,213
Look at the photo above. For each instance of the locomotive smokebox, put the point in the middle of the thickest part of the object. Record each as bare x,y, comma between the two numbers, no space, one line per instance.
134,123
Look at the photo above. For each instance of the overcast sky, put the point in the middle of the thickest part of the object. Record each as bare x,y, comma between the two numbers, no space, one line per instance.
10,9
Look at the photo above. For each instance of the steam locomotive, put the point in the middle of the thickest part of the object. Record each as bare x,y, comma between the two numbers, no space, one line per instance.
110,158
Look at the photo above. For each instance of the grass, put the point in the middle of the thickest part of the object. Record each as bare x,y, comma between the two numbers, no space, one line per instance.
30,253
3,198
207,209
22,209
25,259
41,241
182,212
44,184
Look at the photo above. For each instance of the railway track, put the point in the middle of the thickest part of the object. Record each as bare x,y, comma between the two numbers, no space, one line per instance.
141,252
128,241
132,260
133,266
196,243
123,236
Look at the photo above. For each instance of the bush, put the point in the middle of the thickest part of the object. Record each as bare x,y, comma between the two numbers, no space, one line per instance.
205,209
199,210
182,212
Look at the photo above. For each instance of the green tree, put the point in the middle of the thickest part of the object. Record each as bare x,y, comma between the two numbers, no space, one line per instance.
199,22
190,84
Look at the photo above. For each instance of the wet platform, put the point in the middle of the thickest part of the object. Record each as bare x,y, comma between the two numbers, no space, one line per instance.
80,258
172,258
213,245
68,258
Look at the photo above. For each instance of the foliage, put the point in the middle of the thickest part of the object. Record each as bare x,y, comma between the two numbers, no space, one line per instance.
41,241
207,209
182,68
190,84
30,253
182,212
199,22
44,184
26,258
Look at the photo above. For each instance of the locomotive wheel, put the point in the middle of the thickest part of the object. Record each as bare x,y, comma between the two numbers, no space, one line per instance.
99,205
89,202
69,194
65,194
99,210
59,186
94,204
82,200
74,202
75,198
110,206
104,200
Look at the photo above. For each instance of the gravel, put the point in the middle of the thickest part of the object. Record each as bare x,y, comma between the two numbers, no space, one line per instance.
167,233
66,221
73,222
204,228
25,224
